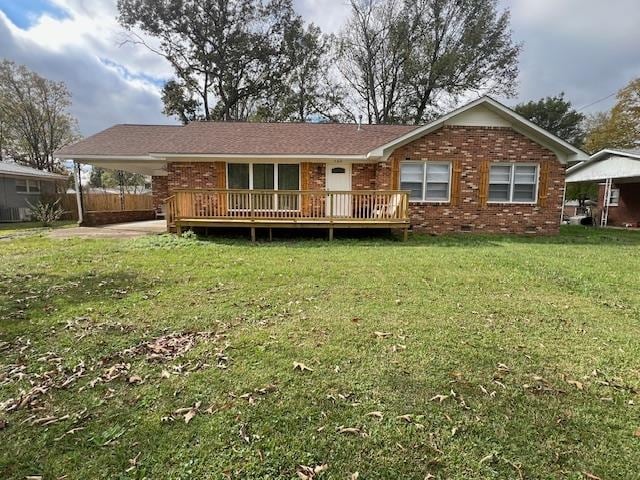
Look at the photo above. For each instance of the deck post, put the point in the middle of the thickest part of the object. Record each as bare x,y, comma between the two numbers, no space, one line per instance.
405,235
330,234
178,229
253,234
271,234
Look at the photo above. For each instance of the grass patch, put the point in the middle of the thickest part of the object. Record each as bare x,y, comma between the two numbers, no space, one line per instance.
458,357
12,229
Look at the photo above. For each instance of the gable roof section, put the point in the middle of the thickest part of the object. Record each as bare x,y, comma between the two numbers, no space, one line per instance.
12,169
236,139
565,151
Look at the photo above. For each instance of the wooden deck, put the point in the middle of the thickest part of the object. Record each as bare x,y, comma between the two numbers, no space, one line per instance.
288,209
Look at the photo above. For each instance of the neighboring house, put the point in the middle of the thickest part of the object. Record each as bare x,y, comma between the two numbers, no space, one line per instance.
21,185
479,168
618,173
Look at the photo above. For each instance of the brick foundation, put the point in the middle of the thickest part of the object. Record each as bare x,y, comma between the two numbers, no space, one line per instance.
94,219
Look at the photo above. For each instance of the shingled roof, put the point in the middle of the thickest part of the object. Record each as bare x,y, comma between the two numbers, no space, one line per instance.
235,138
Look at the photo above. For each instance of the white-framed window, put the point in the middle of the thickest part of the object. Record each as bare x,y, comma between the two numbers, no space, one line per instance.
513,183
27,186
265,176
614,198
426,181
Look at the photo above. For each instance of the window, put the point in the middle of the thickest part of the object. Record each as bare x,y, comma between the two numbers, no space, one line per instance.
512,183
426,181
265,176
614,198
27,186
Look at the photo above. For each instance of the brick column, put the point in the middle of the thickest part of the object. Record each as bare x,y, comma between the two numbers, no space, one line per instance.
159,190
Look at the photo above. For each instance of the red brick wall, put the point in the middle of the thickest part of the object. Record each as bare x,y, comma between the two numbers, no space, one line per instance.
195,175
363,176
472,146
628,210
317,179
159,190
93,219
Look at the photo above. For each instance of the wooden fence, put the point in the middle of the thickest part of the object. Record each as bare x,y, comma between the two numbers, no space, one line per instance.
105,202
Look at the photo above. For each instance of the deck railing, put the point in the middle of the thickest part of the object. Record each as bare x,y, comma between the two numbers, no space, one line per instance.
382,206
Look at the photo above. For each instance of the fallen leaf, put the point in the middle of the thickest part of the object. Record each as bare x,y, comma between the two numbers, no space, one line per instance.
376,414
135,379
302,367
439,398
591,476
355,476
189,415
637,432
165,374
406,418
349,430
382,334
576,384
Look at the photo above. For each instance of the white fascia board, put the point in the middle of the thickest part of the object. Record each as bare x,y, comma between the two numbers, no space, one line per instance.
613,166
53,177
253,157
562,149
602,155
80,158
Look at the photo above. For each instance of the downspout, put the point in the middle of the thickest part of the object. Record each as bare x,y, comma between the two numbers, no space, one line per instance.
564,201
78,184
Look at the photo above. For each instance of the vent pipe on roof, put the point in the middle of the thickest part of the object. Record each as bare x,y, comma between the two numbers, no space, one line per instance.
359,122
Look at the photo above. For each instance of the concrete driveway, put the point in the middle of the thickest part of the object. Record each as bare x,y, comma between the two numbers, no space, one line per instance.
117,230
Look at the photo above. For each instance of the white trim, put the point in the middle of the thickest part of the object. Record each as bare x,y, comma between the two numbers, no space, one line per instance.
109,157
565,151
193,157
425,181
512,183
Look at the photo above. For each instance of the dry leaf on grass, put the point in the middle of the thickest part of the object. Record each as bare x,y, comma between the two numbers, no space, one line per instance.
637,433
310,473
576,384
376,414
382,334
302,367
354,476
439,398
591,476
135,380
351,431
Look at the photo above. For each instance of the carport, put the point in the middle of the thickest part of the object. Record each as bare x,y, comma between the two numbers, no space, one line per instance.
618,174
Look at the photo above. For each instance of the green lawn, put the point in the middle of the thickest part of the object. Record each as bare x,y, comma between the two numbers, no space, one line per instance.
494,358
27,228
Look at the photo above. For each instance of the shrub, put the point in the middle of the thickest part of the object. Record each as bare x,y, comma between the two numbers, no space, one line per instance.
46,212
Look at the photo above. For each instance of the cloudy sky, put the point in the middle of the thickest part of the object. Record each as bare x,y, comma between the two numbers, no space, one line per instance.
586,48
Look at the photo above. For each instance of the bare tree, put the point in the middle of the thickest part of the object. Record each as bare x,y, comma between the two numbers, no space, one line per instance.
398,58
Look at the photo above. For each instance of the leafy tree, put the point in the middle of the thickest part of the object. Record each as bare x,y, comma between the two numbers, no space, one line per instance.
619,128
582,192
125,181
556,115
34,116
308,91
400,58
179,102
226,54
95,178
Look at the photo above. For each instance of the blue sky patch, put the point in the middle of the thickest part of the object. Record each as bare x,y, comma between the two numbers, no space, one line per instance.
24,13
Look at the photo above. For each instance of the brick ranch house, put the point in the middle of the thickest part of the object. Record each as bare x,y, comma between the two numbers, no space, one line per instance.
480,168
618,174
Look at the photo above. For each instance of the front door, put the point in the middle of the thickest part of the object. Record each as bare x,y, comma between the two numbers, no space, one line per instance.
338,178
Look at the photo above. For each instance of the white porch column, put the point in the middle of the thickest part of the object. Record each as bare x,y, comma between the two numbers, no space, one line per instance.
78,187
